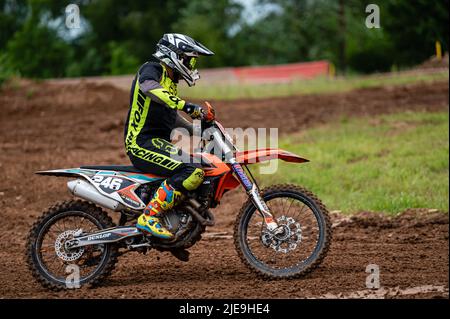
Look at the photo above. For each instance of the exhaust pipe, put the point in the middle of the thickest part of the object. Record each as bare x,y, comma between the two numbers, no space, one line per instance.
194,208
87,191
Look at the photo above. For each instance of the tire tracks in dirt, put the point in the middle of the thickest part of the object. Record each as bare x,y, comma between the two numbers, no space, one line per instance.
71,125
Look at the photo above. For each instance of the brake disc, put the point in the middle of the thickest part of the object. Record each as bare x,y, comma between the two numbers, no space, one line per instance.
62,252
285,240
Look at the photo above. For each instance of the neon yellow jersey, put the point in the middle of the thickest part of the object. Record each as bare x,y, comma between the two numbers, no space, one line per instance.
148,118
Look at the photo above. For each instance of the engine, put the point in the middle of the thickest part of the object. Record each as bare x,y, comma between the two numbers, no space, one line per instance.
177,221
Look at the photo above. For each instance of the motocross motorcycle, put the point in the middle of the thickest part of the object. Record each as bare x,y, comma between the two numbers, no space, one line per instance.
282,231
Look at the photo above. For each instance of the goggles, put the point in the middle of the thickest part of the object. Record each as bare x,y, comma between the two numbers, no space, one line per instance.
190,62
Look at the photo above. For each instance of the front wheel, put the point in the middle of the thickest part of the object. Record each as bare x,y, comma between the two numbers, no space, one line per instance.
299,248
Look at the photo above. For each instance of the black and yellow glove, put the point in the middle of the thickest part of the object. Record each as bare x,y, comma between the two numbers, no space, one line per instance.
195,111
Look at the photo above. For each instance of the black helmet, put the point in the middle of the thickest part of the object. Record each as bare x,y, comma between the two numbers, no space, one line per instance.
180,53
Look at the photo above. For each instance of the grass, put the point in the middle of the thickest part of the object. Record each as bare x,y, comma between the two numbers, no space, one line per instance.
298,87
388,163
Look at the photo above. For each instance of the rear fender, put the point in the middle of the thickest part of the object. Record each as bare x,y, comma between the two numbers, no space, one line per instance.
68,172
119,186
141,178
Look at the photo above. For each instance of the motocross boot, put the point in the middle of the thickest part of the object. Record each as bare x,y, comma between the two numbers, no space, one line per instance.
164,199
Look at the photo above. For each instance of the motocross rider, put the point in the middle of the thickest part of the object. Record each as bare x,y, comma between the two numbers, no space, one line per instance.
153,114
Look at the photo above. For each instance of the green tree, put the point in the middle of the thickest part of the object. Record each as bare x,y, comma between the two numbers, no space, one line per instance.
300,30
35,50
367,49
135,26
255,44
12,16
119,35
122,62
209,22
415,26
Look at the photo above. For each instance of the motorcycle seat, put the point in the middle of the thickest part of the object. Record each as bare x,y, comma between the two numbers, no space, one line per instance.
121,168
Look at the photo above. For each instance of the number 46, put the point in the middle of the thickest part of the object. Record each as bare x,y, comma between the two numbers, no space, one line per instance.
111,183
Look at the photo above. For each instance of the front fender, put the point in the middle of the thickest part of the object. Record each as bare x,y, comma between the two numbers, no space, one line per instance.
267,154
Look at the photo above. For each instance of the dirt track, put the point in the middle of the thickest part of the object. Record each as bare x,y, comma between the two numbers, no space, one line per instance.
51,126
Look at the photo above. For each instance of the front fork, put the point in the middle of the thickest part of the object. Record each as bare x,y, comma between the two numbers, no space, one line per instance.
253,192
226,145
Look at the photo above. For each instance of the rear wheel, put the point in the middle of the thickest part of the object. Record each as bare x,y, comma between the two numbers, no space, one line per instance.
54,265
303,242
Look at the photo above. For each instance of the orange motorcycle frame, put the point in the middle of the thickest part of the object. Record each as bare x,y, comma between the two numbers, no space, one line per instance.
228,180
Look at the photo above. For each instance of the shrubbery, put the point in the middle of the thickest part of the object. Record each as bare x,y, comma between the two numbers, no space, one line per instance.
117,36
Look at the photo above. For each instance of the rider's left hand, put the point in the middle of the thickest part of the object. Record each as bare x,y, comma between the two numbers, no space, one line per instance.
195,111
206,114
